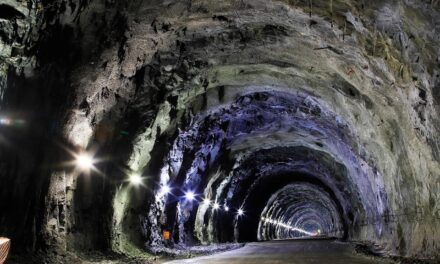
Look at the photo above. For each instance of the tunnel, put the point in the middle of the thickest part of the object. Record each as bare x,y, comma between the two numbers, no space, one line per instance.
159,131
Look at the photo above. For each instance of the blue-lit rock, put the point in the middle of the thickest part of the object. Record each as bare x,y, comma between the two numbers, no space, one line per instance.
296,134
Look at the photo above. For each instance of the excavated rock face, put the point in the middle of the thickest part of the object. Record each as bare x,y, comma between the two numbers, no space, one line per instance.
18,23
310,117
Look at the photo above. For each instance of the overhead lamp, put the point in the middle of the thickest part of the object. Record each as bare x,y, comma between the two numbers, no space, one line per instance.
206,201
165,189
216,206
5,121
226,208
190,196
84,161
240,212
135,179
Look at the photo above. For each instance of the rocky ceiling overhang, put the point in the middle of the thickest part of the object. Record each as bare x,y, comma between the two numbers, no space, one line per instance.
314,114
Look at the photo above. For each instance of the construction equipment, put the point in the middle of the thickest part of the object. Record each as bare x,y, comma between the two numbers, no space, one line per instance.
5,245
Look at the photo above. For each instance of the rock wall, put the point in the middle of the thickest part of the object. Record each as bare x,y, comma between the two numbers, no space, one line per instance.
220,98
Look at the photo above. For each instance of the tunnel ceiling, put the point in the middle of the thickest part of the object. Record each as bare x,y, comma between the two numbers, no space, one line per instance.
282,118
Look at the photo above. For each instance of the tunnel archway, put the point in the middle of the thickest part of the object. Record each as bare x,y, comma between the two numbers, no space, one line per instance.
213,159
242,103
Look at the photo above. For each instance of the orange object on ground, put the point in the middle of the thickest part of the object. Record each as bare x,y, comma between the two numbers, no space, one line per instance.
5,245
166,235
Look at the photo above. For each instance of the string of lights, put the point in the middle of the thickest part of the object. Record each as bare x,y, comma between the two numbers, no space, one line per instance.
190,196
86,162
289,227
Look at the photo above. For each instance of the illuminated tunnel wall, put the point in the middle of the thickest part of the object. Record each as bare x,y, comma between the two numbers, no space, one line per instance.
243,154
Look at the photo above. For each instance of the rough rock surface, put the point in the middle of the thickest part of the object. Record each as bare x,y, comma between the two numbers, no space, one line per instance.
230,99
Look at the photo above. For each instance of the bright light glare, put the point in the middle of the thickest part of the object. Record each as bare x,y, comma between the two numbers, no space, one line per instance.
240,212
165,189
206,201
226,208
5,121
216,206
135,179
190,196
84,161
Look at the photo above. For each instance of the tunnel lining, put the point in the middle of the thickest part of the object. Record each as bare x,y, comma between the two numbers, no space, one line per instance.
222,129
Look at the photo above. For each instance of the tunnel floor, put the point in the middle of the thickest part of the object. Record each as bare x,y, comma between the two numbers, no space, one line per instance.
289,251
